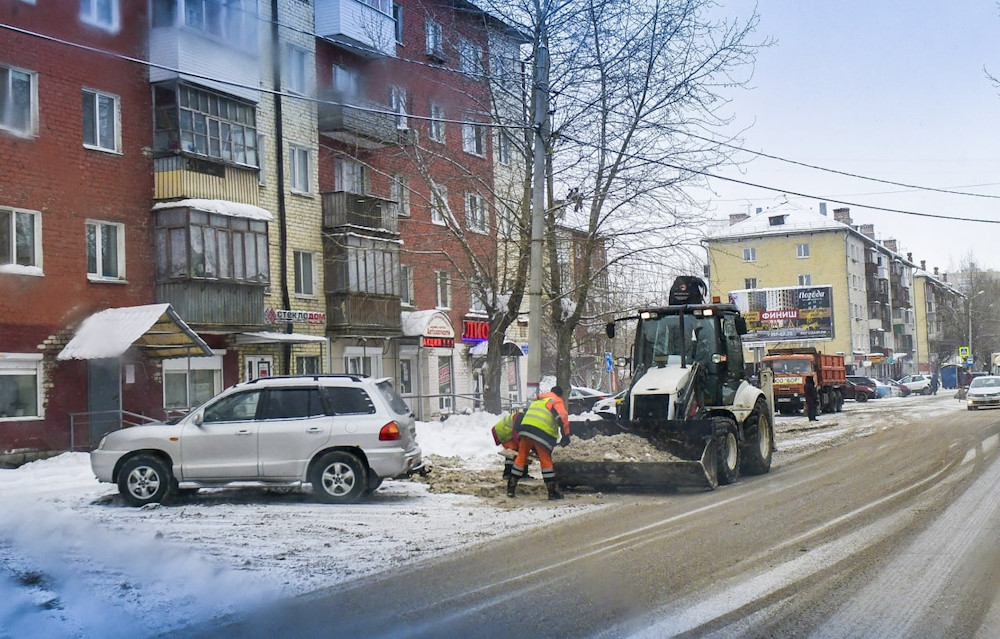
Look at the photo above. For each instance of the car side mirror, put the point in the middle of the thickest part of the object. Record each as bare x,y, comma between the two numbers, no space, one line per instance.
198,419
741,325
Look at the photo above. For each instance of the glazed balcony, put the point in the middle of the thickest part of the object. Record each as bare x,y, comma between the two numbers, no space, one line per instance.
341,208
364,27
352,313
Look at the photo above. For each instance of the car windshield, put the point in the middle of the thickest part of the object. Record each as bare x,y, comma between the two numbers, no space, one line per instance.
660,340
790,366
985,382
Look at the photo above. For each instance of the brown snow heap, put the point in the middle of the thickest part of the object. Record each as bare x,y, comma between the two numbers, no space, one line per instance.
624,447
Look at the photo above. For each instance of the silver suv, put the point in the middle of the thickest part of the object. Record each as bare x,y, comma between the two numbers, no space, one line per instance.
343,434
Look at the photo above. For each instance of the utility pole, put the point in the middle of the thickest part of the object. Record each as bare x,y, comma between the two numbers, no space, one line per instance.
540,124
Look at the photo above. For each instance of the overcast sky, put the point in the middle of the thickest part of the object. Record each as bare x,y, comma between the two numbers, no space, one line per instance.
889,89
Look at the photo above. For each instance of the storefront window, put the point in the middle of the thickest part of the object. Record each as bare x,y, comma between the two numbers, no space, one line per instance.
189,383
444,383
19,383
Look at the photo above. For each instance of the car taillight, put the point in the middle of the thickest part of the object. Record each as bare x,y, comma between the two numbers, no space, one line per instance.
389,432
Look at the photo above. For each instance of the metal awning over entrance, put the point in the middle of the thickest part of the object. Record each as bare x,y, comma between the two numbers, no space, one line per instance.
156,329
509,349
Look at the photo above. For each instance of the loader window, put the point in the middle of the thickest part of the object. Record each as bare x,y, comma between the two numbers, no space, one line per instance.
660,341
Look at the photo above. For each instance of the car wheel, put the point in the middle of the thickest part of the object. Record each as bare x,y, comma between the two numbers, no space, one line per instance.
339,477
727,452
374,481
757,451
926,391
144,480
861,397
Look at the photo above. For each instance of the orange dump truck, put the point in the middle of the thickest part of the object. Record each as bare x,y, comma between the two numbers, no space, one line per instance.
791,367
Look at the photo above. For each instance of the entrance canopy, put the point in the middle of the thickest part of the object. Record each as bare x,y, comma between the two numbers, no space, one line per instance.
156,329
509,349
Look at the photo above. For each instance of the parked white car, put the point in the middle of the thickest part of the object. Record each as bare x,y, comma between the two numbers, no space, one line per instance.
983,392
920,384
343,434
608,407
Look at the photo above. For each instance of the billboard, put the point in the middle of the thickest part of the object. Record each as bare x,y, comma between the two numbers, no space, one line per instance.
786,314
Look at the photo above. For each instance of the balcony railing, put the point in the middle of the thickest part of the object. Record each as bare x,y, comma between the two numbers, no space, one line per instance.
208,303
341,208
363,314
358,122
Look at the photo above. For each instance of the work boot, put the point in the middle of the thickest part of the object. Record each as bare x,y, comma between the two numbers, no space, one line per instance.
507,466
512,486
553,488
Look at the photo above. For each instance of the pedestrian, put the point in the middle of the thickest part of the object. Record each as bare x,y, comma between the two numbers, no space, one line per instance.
934,383
540,430
505,435
811,398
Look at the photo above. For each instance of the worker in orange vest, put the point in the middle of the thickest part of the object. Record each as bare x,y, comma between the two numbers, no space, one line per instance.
540,430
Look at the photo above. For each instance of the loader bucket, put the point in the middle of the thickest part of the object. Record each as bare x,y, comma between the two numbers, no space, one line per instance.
607,475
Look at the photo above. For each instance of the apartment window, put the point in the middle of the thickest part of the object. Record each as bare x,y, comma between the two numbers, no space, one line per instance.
101,114
801,250
307,365
366,265
397,18
232,20
750,282
406,285
100,13
20,238
475,212
750,254
437,123
381,5
400,188
193,244
346,81
204,123
299,169
350,176
476,304
397,102
191,381
18,101
305,273
805,280
262,159
105,250
296,75
435,40
470,58
503,148
474,138
439,204
442,288
20,384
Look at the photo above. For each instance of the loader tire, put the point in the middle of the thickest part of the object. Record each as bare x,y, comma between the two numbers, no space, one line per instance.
755,458
727,451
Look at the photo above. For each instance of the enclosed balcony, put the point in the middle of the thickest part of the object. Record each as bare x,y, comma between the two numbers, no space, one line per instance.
358,122
364,27
363,315
341,208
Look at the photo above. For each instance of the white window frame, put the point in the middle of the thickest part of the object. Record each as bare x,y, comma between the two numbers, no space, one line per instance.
805,280
24,364
503,148
470,58
18,219
802,251
90,14
750,282
406,285
476,304
476,213
400,188
6,102
96,97
177,365
356,357
439,204
397,19
750,254
300,169
350,176
397,102
296,70
97,274
305,274
345,80
442,290
474,138
436,125
434,38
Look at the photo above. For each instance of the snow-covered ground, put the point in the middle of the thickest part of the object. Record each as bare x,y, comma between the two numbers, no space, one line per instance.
76,562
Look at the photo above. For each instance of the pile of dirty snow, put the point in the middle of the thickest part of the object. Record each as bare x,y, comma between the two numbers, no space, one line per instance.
623,447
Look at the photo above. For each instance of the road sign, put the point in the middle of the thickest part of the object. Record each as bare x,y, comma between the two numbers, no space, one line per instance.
963,351
609,363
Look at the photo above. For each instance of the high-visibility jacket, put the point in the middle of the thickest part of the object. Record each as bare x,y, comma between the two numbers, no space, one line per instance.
540,420
503,430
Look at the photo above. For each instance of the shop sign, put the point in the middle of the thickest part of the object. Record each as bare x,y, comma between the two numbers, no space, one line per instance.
276,315
438,342
475,331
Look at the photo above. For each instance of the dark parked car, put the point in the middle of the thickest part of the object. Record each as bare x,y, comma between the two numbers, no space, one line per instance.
582,399
860,389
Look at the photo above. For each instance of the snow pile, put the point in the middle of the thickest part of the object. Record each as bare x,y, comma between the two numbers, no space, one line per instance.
624,447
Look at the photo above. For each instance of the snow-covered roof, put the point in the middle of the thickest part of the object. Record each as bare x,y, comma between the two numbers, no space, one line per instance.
222,207
155,327
792,220
269,337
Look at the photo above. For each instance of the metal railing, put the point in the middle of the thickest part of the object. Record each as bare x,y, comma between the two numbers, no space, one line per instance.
107,420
